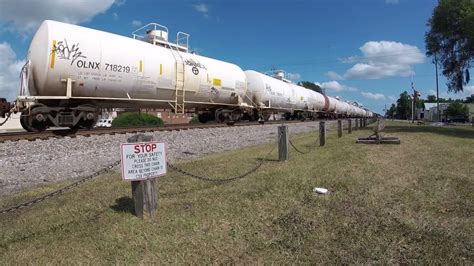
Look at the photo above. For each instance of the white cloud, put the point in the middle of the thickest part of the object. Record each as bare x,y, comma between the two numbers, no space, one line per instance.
26,16
373,96
9,72
468,90
293,76
335,86
384,59
333,75
115,16
393,2
136,23
202,8
392,98
120,2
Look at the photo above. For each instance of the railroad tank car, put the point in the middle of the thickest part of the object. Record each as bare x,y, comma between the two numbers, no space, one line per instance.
73,71
274,93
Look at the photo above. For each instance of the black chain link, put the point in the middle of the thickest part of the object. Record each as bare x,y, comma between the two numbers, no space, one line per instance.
214,180
60,191
298,150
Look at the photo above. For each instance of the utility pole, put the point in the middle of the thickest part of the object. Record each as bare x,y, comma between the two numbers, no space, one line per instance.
413,103
437,90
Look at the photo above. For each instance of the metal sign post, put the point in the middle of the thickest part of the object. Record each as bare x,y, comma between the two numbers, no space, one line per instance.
142,161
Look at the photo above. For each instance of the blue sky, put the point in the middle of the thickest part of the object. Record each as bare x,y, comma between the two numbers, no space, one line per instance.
367,50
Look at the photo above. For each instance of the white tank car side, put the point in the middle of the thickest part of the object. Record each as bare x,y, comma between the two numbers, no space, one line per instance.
271,93
341,108
331,106
317,100
268,92
110,66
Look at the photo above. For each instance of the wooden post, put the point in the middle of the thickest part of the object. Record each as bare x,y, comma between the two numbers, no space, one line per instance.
143,191
339,128
322,133
360,123
356,124
349,126
283,143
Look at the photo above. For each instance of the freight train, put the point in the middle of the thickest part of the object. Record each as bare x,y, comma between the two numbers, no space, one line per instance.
72,72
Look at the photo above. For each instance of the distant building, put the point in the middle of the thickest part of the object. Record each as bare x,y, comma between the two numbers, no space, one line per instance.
430,113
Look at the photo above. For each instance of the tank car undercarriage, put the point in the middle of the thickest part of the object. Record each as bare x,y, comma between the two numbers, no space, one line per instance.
39,116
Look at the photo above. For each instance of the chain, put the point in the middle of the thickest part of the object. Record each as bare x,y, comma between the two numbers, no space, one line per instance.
214,180
296,149
60,191
299,151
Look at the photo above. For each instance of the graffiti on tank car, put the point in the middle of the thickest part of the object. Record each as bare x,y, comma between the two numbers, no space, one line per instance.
191,62
63,51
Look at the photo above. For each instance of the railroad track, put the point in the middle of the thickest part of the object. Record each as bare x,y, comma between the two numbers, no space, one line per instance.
60,133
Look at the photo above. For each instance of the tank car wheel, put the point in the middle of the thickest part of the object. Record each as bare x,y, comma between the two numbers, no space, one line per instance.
203,118
89,120
220,117
24,121
266,116
33,122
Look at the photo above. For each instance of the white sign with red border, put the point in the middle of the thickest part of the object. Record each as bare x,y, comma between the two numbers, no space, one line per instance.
143,160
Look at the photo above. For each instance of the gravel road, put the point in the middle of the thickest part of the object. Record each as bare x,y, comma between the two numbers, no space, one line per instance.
26,164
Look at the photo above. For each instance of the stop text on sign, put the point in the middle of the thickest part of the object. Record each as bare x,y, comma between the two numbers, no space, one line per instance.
142,161
148,147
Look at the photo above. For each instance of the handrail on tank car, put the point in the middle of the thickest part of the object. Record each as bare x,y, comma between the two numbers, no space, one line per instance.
155,27
182,36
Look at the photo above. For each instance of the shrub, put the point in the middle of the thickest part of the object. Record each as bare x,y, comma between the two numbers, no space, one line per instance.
194,120
136,120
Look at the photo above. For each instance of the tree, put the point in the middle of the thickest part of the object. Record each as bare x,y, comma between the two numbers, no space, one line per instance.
451,40
457,109
391,112
311,86
431,99
404,106
420,103
470,99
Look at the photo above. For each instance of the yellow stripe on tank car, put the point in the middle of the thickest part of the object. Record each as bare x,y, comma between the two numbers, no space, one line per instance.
141,66
216,82
53,54
161,69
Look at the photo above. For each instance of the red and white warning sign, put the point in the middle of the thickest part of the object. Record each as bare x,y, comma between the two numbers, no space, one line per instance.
142,161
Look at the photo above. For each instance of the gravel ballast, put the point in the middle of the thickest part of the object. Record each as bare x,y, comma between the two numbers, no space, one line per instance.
26,164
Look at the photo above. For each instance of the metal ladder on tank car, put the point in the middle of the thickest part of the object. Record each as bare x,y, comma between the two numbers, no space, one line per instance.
179,104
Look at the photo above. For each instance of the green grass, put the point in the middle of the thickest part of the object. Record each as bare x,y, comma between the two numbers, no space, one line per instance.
408,203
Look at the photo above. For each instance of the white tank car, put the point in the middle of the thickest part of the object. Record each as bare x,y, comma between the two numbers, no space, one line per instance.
278,94
270,93
109,70
331,107
341,108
